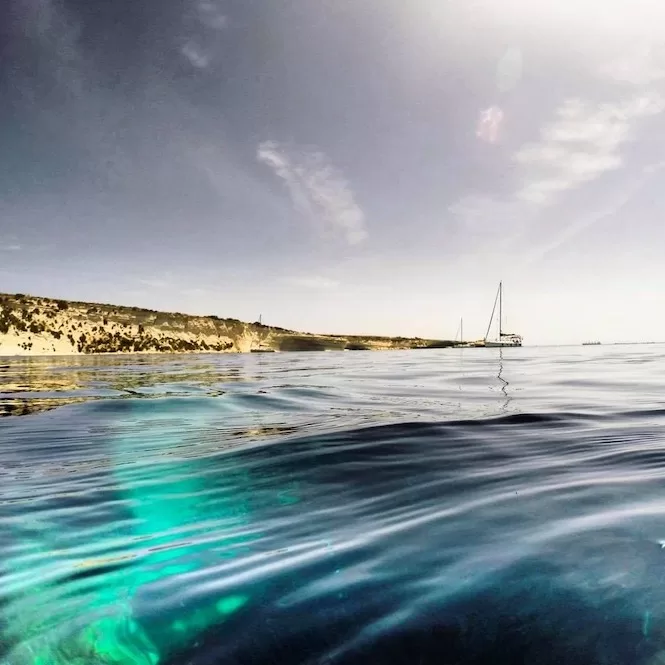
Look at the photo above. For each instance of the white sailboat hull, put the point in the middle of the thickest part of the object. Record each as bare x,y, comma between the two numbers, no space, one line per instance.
491,344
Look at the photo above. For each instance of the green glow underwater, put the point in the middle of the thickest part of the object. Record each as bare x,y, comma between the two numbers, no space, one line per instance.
181,520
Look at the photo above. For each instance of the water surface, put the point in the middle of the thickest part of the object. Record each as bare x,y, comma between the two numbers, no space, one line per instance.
448,506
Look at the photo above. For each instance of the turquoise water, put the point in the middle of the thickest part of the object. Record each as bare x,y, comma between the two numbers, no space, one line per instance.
444,506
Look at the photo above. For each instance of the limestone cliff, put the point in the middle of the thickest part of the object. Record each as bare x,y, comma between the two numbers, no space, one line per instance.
31,325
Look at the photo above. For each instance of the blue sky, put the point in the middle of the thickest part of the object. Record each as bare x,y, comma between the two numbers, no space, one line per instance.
326,164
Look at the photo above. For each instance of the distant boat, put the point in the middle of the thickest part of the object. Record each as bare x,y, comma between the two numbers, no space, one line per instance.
590,343
461,344
504,338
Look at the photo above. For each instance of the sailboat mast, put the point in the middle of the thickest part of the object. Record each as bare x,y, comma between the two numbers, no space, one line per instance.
500,309
461,331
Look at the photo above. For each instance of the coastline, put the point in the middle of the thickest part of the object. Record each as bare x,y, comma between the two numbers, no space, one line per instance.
32,326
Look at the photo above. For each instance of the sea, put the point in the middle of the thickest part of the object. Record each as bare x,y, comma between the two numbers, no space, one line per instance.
449,507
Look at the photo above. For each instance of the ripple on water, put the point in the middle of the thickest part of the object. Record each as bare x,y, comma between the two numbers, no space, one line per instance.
340,508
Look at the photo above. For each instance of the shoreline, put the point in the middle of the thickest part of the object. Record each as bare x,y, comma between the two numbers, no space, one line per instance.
76,354
32,326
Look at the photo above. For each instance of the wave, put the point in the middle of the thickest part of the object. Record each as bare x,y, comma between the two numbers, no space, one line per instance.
377,517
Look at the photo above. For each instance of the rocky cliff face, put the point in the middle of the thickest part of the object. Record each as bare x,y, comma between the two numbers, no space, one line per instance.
38,326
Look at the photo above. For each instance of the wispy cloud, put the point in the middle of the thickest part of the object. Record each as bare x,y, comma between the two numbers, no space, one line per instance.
316,282
318,190
54,32
196,56
203,22
210,13
12,247
583,142
642,67
580,223
580,145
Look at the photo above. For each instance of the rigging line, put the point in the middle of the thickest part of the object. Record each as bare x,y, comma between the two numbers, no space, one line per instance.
489,325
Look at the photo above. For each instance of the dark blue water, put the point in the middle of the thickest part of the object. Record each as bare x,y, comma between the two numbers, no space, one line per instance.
449,507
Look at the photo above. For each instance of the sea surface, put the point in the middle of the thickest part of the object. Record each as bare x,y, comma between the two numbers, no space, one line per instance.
446,506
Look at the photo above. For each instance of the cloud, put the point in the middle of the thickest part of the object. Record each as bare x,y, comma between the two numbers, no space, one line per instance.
314,282
211,15
652,168
203,22
54,33
580,145
583,142
10,248
195,54
318,191
643,67
566,233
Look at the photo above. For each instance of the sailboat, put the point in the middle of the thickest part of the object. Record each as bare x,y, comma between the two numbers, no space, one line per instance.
461,344
504,338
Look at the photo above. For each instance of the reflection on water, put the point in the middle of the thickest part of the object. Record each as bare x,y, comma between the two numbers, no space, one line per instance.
486,506
32,384
504,383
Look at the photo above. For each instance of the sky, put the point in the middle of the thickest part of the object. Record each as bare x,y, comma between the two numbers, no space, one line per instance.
342,166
